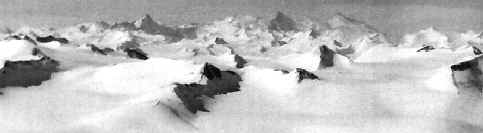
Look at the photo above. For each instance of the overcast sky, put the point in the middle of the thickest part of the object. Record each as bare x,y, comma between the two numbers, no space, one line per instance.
390,16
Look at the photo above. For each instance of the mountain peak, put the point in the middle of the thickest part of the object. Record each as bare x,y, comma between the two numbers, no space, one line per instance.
282,22
147,24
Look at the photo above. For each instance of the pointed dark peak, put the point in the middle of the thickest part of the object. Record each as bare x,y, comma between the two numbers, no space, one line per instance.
147,24
240,61
194,95
304,74
211,72
282,22
220,82
219,40
146,19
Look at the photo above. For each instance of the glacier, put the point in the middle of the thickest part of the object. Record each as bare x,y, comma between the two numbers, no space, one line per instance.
295,76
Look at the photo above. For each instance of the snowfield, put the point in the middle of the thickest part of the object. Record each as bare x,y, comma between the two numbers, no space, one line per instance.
128,77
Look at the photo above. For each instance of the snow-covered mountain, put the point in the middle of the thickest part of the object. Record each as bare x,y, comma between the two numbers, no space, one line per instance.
239,74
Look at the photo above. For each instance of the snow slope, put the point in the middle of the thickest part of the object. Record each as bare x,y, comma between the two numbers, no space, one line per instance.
383,89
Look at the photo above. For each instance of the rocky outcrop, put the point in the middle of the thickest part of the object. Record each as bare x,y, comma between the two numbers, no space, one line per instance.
304,74
103,51
136,53
467,76
240,61
426,49
220,41
326,57
193,95
50,38
27,73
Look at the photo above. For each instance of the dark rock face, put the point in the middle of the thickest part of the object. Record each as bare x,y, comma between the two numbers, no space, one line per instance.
426,49
148,25
465,66
136,53
98,50
220,41
467,76
304,74
192,96
51,39
211,72
227,83
27,73
476,51
282,23
240,61
326,57
219,82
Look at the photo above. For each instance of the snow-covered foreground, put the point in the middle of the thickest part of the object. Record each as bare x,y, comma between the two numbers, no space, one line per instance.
365,86
405,94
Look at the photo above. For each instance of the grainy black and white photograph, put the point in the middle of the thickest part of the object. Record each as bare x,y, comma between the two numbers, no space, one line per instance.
241,66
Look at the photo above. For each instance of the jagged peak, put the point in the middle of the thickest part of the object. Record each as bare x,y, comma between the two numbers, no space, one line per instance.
146,20
282,22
